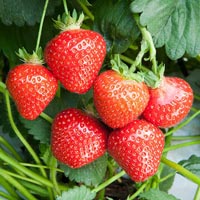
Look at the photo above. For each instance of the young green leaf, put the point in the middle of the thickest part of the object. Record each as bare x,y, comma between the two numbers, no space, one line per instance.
192,164
173,23
115,22
153,194
91,174
77,193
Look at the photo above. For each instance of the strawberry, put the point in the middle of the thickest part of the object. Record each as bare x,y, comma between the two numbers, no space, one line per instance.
137,148
75,56
77,138
169,103
32,87
119,100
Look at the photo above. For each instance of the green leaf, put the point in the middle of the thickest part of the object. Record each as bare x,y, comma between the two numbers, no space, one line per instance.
173,23
115,22
20,12
153,194
77,193
167,184
91,174
39,128
192,164
13,37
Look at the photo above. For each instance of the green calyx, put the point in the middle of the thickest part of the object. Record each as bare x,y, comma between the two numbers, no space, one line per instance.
152,79
34,58
68,22
124,70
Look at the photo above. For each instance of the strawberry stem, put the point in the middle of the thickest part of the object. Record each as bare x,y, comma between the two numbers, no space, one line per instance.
41,25
20,136
10,148
86,10
174,129
109,181
16,165
178,146
197,194
10,190
154,76
46,117
140,190
149,43
65,7
181,170
17,185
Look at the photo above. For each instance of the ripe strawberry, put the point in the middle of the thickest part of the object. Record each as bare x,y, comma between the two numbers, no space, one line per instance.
77,138
137,148
169,103
32,87
119,100
75,57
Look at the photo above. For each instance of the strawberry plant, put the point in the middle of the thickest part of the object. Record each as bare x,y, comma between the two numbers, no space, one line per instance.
109,94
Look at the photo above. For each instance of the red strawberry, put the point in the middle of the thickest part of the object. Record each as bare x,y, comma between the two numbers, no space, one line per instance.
32,87
119,100
169,103
77,138
137,148
75,57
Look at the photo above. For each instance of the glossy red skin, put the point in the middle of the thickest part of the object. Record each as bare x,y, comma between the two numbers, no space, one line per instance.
137,148
170,103
75,57
118,100
32,86
77,139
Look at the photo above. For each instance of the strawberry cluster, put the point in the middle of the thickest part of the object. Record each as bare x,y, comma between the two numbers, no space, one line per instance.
130,113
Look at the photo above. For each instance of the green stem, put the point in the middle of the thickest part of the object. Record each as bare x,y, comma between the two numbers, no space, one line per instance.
21,188
41,166
197,97
16,165
148,38
138,60
10,148
53,174
130,61
109,181
183,123
181,170
86,10
7,196
20,136
2,87
140,190
197,194
65,7
9,188
178,138
46,117
177,146
20,177
166,177
41,26
35,189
